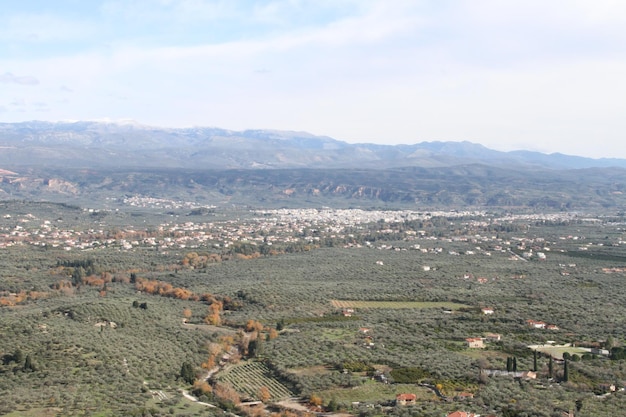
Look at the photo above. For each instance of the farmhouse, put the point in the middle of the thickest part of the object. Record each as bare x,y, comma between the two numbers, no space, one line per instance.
474,342
536,324
406,399
493,337
463,396
487,310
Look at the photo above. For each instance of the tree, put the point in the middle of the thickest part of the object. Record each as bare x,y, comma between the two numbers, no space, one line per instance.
617,353
28,364
315,400
610,342
78,275
201,387
255,347
565,371
210,362
213,317
333,405
550,368
187,373
514,364
579,404
534,361
226,393
253,325
18,356
273,334
264,394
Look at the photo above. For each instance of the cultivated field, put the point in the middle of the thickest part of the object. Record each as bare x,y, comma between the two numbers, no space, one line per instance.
249,377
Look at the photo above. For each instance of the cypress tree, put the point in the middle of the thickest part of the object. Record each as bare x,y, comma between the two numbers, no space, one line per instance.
550,368
28,364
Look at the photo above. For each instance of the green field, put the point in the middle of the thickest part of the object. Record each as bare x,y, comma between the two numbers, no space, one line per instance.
396,304
557,351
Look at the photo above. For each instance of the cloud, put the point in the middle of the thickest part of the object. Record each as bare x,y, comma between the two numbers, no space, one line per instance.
18,102
66,89
9,78
40,107
44,28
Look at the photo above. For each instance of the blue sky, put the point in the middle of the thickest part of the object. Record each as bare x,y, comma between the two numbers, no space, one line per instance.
545,75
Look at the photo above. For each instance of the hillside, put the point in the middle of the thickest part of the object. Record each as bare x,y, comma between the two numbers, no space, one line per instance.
455,187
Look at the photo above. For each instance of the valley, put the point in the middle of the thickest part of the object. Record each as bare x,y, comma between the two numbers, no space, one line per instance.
341,309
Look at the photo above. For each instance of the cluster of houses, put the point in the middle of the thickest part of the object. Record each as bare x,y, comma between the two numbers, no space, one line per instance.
479,342
267,227
535,324
271,226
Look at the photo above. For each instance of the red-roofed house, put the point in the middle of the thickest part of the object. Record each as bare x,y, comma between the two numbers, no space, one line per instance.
474,342
406,399
536,324
463,395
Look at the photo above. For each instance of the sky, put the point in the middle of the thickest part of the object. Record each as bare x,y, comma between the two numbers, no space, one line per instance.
540,75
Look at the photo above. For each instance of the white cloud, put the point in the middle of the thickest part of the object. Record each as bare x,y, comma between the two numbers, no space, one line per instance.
44,28
8,77
502,73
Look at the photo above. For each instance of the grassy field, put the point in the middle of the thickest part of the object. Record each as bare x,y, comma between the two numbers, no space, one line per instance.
557,351
396,304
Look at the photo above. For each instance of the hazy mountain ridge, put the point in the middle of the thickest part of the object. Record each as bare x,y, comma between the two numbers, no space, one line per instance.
126,145
91,161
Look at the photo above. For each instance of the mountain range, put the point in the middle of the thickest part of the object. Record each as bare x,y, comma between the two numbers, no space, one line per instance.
131,145
91,160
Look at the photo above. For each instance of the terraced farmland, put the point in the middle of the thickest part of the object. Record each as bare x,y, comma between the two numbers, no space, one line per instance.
249,377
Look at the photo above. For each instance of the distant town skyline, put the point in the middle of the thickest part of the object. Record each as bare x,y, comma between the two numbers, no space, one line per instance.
538,75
